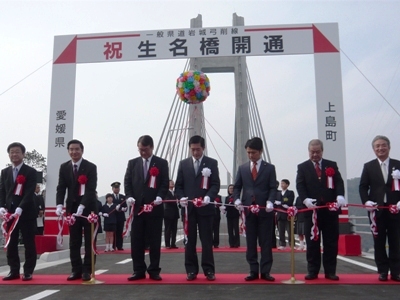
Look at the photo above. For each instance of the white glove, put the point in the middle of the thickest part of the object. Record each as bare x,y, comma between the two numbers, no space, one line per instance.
398,205
18,211
130,201
238,205
118,207
124,209
269,207
158,201
105,215
341,201
310,203
100,214
206,201
277,202
370,205
79,211
222,209
59,210
3,211
183,201
285,206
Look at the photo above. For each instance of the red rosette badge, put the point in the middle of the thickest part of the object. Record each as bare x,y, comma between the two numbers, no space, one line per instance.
20,180
329,172
82,179
154,172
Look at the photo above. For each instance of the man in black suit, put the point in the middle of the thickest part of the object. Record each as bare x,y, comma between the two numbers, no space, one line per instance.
78,178
256,180
198,177
119,199
217,221
171,216
40,206
284,199
17,196
377,187
146,185
319,182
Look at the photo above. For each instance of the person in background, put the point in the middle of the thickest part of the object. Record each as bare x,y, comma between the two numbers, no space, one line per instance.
119,199
40,208
232,219
217,221
299,225
285,198
108,211
171,216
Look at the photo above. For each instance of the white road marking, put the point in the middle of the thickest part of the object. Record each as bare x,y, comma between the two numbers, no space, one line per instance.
354,262
41,295
125,261
101,271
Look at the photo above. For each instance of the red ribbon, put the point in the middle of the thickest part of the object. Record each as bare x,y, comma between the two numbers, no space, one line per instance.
198,202
186,226
11,229
146,208
314,229
154,172
242,226
291,211
128,223
254,208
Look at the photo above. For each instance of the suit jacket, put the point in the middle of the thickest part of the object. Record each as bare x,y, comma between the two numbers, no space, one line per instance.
138,188
118,200
67,181
39,203
188,184
309,186
288,199
171,210
257,191
372,186
26,201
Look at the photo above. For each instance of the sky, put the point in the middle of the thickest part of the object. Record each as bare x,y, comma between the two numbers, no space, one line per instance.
115,103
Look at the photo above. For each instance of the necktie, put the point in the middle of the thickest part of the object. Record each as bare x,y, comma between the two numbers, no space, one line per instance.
15,173
254,171
318,170
75,170
196,166
385,177
145,167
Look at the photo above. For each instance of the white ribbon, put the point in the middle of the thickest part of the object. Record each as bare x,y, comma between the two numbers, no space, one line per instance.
152,182
18,189
330,182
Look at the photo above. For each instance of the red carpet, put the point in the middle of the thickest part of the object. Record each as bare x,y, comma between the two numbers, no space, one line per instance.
175,279
182,250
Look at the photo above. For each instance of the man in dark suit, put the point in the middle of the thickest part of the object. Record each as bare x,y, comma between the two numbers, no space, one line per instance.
40,206
146,185
119,199
256,180
377,187
78,178
171,216
198,177
217,221
284,199
319,182
17,196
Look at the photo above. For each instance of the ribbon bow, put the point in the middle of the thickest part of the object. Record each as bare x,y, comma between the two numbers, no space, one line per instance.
393,209
198,202
255,208
291,211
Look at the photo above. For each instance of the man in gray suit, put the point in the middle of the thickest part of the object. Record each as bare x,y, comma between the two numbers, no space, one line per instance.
198,178
256,180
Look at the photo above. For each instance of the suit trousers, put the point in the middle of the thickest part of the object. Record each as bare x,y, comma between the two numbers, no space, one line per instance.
28,231
328,225
75,244
146,229
388,227
171,227
205,225
283,227
119,240
259,228
233,231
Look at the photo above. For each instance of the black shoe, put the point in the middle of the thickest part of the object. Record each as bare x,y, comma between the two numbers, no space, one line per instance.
395,277
11,276
74,276
136,276
191,276
26,277
216,247
86,277
210,276
267,277
311,276
332,277
155,277
252,276
383,277
121,249
174,247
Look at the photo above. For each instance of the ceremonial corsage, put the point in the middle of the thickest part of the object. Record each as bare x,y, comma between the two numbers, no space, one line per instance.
395,183
82,179
20,185
206,172
329,172
154,172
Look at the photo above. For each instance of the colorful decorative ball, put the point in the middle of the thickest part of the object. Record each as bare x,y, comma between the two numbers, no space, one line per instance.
193,87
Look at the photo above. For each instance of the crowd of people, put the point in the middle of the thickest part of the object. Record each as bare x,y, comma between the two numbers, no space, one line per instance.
154,199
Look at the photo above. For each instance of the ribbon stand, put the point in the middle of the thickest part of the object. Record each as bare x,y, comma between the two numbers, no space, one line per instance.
292,279
93,279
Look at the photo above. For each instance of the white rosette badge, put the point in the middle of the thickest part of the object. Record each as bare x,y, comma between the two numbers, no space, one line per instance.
395,183
206,172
